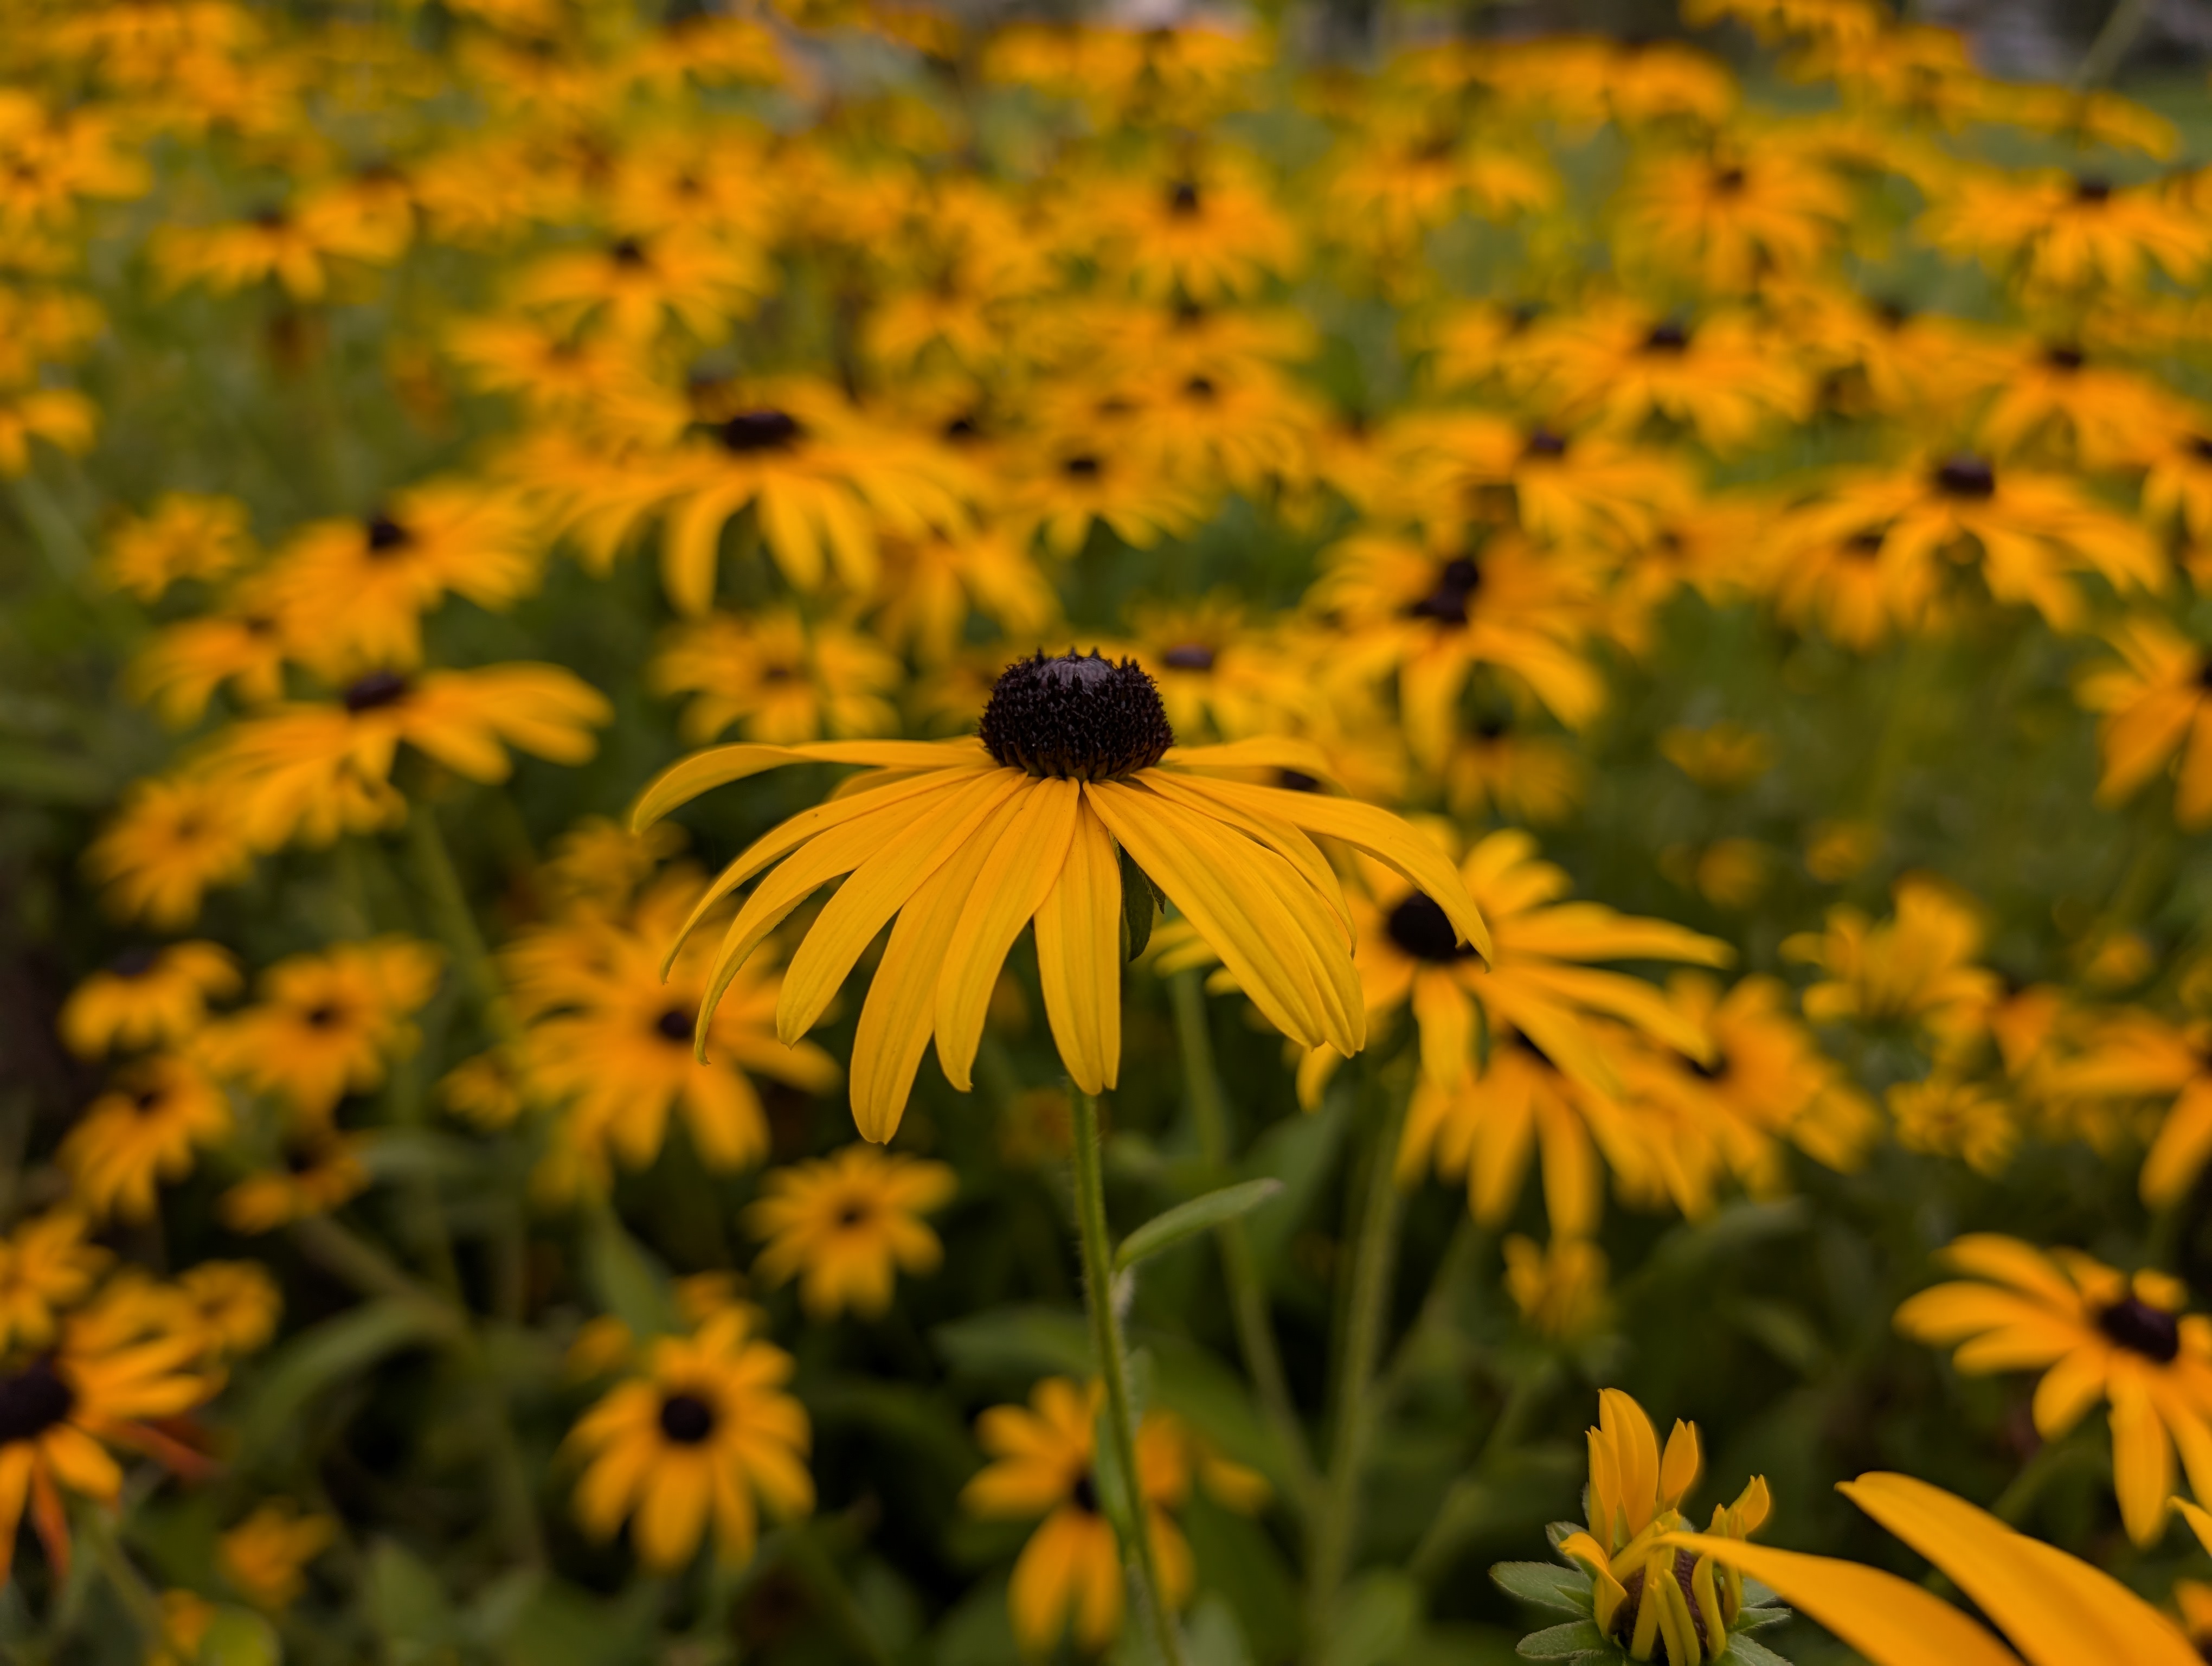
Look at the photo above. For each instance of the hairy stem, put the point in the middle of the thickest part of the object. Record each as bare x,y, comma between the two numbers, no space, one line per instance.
1113,1367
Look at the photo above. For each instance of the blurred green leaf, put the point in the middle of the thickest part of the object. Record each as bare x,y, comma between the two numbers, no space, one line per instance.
239,1637
406,1604
627,1281
1546,1585
1579,1640
1377,1616
1749,1651
1187,1220
1017,1341
331,1353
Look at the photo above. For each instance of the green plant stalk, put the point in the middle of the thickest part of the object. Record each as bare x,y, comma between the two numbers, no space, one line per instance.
1247,1290
1367,1296
1113,1365
456,922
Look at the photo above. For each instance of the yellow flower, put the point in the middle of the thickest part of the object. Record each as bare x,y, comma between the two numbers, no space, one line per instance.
1654,1599
846,1225
266,1556
301,247
2056,1610
173,839
1944,1117
2155,705
1724,758
1916,968
316,1173
237,1303
185,535
1722,378
327,1024
145,1130
1558,1287
46,1266
2134,1056
639,287
2066,232
61,416
704,1432
777,677
2094,1334
964,841
1730,217
147,998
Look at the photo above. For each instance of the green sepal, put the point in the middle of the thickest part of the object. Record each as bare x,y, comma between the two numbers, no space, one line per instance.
1140,905
1747,1652
1545,1585
1579,1639
1752,1620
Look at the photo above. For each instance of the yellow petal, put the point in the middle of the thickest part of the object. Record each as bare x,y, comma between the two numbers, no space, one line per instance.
1079,946
1017,877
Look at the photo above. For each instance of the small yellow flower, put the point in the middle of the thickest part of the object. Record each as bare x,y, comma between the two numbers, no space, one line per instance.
266,1556
147,998
845,1227
1559,1287
1944,1117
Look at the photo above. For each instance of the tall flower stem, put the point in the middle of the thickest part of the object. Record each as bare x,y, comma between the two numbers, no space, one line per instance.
1113,1367
1374,1255
1240,1267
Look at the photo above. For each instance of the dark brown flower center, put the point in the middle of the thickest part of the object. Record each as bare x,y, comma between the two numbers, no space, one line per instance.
1183,199
686,1419
676,1024
379,687
1076,716
135,962
760,430
2136,1325
1296,781
1966,476
1457,580
2064,358
1863,545
385,535
32,1400
1624,1619
1200,388
325,1016
1188,656
1667,338
1084,1495
1543,442
1729,181
853,1214
1424,931
628,253
2087,188
1082,466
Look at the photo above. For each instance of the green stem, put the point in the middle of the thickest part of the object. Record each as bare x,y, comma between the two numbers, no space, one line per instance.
1247,1290
2121,27
1367,1297
129,1584
456,921
2051,1460
1107,1345
1464,1505
811,1560
1434,1319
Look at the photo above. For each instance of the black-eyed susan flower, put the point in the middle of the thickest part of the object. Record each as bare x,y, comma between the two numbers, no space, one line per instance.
777,677
241,646
704,1434
1651,1598
965,842
1721,378
174,838
264,1557
612,1019
846,1225
62,1409
1920,968
146,1129
929,589
2154,705
2094,1334
2054,1609
314,1173
637,287
46,1268
328,1024
303,247
235,1303
1210,232
1060,489
1559,1287
2133,1057
1730,217
1945,1115
2066,231
146,997
63,417
182,535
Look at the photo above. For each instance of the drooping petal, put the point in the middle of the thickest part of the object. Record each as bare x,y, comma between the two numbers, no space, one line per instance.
1079,957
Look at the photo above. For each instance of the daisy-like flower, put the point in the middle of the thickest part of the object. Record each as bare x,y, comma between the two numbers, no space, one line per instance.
1062,490
185,535
637,287
1856,584
45,1267
2055,1610
846,1225
61,416
60,1412
2056,401
2176,458
316,1172
2066,232
612,1019
1574,492
1917,969
1731,217
1218,671
1500,769
367,583
241,644
236,1303
173,839
1651,1598
1069,1576
303,248
327,1024
2134,1056
1212,234
1722,378
2093,1333
1558,1287
2154,706
308,770
965,842
146,997
704,1432
930,587
1946,1116
264,1557
145,1130
777,677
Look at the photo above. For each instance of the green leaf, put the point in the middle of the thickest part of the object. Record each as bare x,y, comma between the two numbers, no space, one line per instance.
1187,1220
1748,1652
333,1352
1140,905
406,1603
239,1637
1376,1620
1753,1619
1212,1637
626,1279
1576,1641
1546,1586
1017,1341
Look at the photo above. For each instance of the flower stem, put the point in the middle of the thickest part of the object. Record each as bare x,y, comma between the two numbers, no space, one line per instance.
1113,1367
1367,1297
456,922
1240,1267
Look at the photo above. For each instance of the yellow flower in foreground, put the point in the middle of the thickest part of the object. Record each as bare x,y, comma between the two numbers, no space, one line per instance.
2056,1610
964,841
2094,1334
706,1433
266,1556
846,1226
1655,1600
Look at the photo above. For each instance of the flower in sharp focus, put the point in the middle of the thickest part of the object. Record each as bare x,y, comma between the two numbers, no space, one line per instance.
965,842
2094,1334
846,1225
705,1433
147,997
